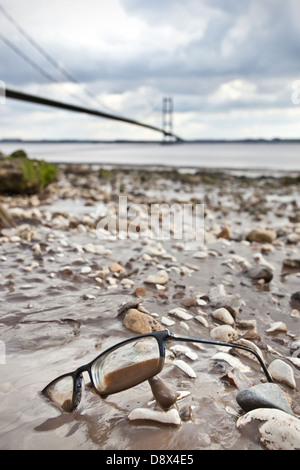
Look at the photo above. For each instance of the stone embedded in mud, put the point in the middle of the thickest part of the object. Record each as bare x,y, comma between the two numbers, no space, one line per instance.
295,348
224,233
140,322
189,301
259,272
293,263
162,393
261,236
140,292
117,268
161,277
219,298
265,395
224,333
277,327
181,313
279,430
295,299
236,377
223,315
231,360
188,370
282,372
6,220
166,417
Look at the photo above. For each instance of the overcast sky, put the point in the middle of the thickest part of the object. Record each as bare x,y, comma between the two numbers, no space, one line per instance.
229,65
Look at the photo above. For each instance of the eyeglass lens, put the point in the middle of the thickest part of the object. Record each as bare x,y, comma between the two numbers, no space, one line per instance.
61,392
126,365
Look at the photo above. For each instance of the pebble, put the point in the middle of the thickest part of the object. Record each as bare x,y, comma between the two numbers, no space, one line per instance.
140,322
134,303
202,320
238,378
161,277
249,344
189,302
291,263
295,348
234,362
259,272
181,313
279,430
277,327
180,349
261,236
162,393
166,417
282,372
224,233
224,333
219,298
86,270
294,360
167,321
223,315
265,395
140,292
117,268
295,299
200,254
184,367
89,297
295,313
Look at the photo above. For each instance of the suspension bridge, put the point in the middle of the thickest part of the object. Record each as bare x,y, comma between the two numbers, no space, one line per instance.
167,113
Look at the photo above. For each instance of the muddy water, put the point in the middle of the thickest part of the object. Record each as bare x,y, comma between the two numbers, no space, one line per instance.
49,326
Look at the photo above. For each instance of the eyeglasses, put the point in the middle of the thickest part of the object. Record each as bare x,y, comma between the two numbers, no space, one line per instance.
125,365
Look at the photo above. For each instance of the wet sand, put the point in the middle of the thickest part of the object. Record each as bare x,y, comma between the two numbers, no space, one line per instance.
60,302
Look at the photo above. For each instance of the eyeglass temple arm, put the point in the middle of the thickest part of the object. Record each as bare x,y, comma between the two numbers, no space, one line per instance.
217,342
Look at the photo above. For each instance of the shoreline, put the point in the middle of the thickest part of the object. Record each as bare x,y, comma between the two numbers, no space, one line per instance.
63,287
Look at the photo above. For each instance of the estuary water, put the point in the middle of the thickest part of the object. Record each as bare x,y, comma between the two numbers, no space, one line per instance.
265,157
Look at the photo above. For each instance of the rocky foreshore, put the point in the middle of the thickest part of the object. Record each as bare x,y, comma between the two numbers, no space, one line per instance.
70,290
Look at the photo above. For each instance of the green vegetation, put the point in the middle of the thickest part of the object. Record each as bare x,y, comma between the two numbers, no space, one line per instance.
21,175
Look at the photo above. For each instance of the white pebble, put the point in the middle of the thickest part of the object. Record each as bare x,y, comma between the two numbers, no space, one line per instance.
279,431
223,315
167,322
277,327
181,313
86,270
295,361
224,333
185,367
166,417
282,372
200,254
161,277
231,360
202,320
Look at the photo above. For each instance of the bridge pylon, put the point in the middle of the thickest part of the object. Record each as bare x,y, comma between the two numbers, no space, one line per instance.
167,119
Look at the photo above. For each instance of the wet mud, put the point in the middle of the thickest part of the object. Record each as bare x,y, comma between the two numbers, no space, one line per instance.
60,304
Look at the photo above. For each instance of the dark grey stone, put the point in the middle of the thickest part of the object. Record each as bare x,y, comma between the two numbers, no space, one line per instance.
266,395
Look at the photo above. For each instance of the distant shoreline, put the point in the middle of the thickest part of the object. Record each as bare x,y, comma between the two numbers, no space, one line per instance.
124,141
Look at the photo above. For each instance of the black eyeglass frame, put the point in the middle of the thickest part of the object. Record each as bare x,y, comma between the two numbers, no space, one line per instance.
162,337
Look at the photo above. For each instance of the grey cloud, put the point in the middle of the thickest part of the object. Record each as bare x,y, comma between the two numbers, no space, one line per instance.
265,54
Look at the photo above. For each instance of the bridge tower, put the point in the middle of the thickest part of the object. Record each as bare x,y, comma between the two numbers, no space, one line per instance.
167,118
